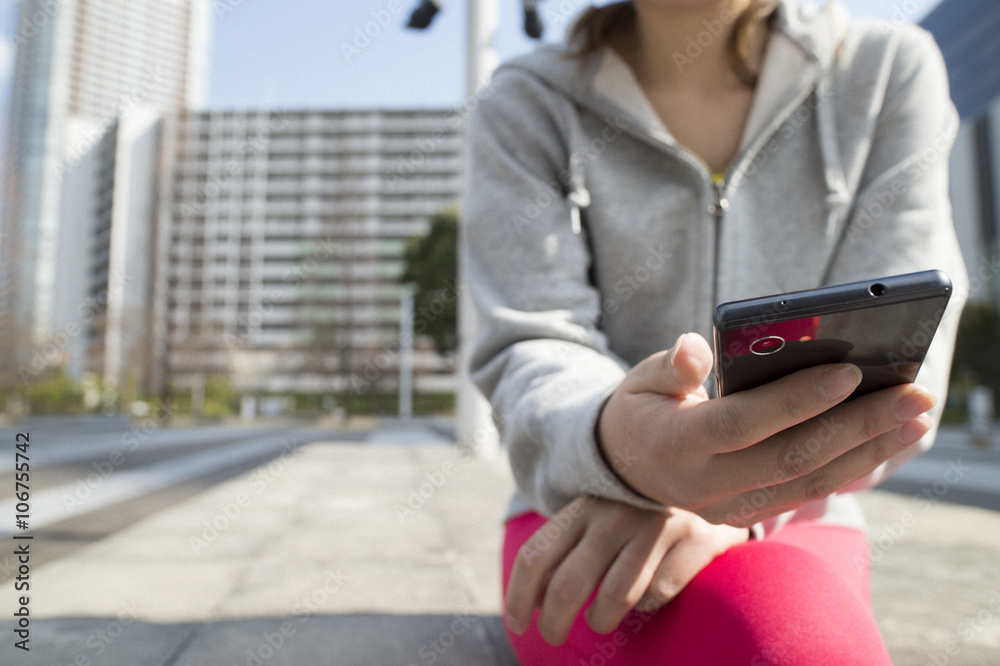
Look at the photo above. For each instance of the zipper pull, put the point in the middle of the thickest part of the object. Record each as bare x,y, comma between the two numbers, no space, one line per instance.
721,204
578,198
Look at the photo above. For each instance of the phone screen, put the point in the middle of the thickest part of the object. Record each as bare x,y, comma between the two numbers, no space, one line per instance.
886,339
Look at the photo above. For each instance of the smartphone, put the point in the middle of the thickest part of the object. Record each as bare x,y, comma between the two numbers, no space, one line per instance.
884,326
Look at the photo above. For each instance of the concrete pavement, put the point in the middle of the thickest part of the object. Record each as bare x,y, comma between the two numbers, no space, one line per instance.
385,551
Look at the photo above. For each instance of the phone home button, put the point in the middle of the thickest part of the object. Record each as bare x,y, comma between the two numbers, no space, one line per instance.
768,345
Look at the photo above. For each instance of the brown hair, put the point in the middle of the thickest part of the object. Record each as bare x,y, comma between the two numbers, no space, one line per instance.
597,25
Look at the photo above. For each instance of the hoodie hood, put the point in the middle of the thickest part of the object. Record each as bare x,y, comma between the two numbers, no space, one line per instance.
803,47
814,32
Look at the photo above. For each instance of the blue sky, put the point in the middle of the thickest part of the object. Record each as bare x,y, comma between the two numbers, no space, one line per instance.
300,53
312,62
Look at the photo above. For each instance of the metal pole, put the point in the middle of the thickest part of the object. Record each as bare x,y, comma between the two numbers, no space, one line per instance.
406,356
475,422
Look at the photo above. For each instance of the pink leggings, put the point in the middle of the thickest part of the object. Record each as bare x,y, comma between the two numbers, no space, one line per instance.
799,597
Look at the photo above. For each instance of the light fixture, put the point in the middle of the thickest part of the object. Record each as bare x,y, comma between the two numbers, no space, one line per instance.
425,12
533,26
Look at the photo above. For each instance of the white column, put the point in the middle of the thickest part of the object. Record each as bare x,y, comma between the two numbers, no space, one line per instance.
475,423
481,56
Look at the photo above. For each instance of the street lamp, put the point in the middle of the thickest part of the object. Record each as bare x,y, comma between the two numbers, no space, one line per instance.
474,421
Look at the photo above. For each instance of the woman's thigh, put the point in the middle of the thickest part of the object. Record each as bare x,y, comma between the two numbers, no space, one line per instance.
799,597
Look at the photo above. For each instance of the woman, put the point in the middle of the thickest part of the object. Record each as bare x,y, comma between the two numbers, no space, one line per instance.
676,155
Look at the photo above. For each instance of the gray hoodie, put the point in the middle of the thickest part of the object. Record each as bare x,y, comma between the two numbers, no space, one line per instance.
593,239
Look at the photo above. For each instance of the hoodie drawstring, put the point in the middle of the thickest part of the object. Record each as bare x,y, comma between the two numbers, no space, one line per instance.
838,195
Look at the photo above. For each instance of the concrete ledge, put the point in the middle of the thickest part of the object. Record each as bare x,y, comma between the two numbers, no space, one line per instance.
352,553
935,579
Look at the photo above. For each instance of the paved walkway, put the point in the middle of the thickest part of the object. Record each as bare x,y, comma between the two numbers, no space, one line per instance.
386,552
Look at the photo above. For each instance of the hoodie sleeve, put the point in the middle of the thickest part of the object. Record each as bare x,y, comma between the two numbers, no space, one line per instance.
901,218
539,355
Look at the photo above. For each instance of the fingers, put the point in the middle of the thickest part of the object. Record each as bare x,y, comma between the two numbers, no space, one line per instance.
753,506
685,559
674,372
649,573
558,569
631,574
736,421
808,446
644,557
536,559
576,577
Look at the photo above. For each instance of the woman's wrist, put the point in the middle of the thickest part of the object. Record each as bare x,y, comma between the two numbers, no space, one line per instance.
607,457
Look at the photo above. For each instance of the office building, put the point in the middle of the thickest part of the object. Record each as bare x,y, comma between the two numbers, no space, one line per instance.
79,64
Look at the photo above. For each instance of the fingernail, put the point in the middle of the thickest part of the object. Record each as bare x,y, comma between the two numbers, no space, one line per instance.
913,405
515,625
838,382
911,431
677,347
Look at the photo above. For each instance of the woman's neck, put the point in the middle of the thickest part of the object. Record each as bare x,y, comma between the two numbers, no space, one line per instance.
687,48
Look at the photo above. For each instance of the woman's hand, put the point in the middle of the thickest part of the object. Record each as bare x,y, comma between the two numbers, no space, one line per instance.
757,453
644,557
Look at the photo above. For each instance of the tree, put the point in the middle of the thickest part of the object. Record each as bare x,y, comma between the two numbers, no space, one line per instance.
432,267
977,349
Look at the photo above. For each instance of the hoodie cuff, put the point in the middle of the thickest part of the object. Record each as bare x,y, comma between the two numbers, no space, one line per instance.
601,475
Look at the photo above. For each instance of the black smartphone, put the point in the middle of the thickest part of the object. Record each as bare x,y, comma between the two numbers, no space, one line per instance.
884,326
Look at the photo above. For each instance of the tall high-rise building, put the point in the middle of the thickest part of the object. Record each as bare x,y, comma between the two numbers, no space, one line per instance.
79,64
963,30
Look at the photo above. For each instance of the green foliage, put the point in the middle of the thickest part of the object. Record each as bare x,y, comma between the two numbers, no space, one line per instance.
220,397
977,351
388,403
432,267
55,394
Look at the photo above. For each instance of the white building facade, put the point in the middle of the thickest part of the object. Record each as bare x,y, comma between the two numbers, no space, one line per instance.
79,64
281,237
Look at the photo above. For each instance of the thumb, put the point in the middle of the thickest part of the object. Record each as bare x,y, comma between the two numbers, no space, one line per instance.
677,371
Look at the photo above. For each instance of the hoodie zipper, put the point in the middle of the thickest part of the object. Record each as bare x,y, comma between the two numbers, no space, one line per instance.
720,201
718,208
